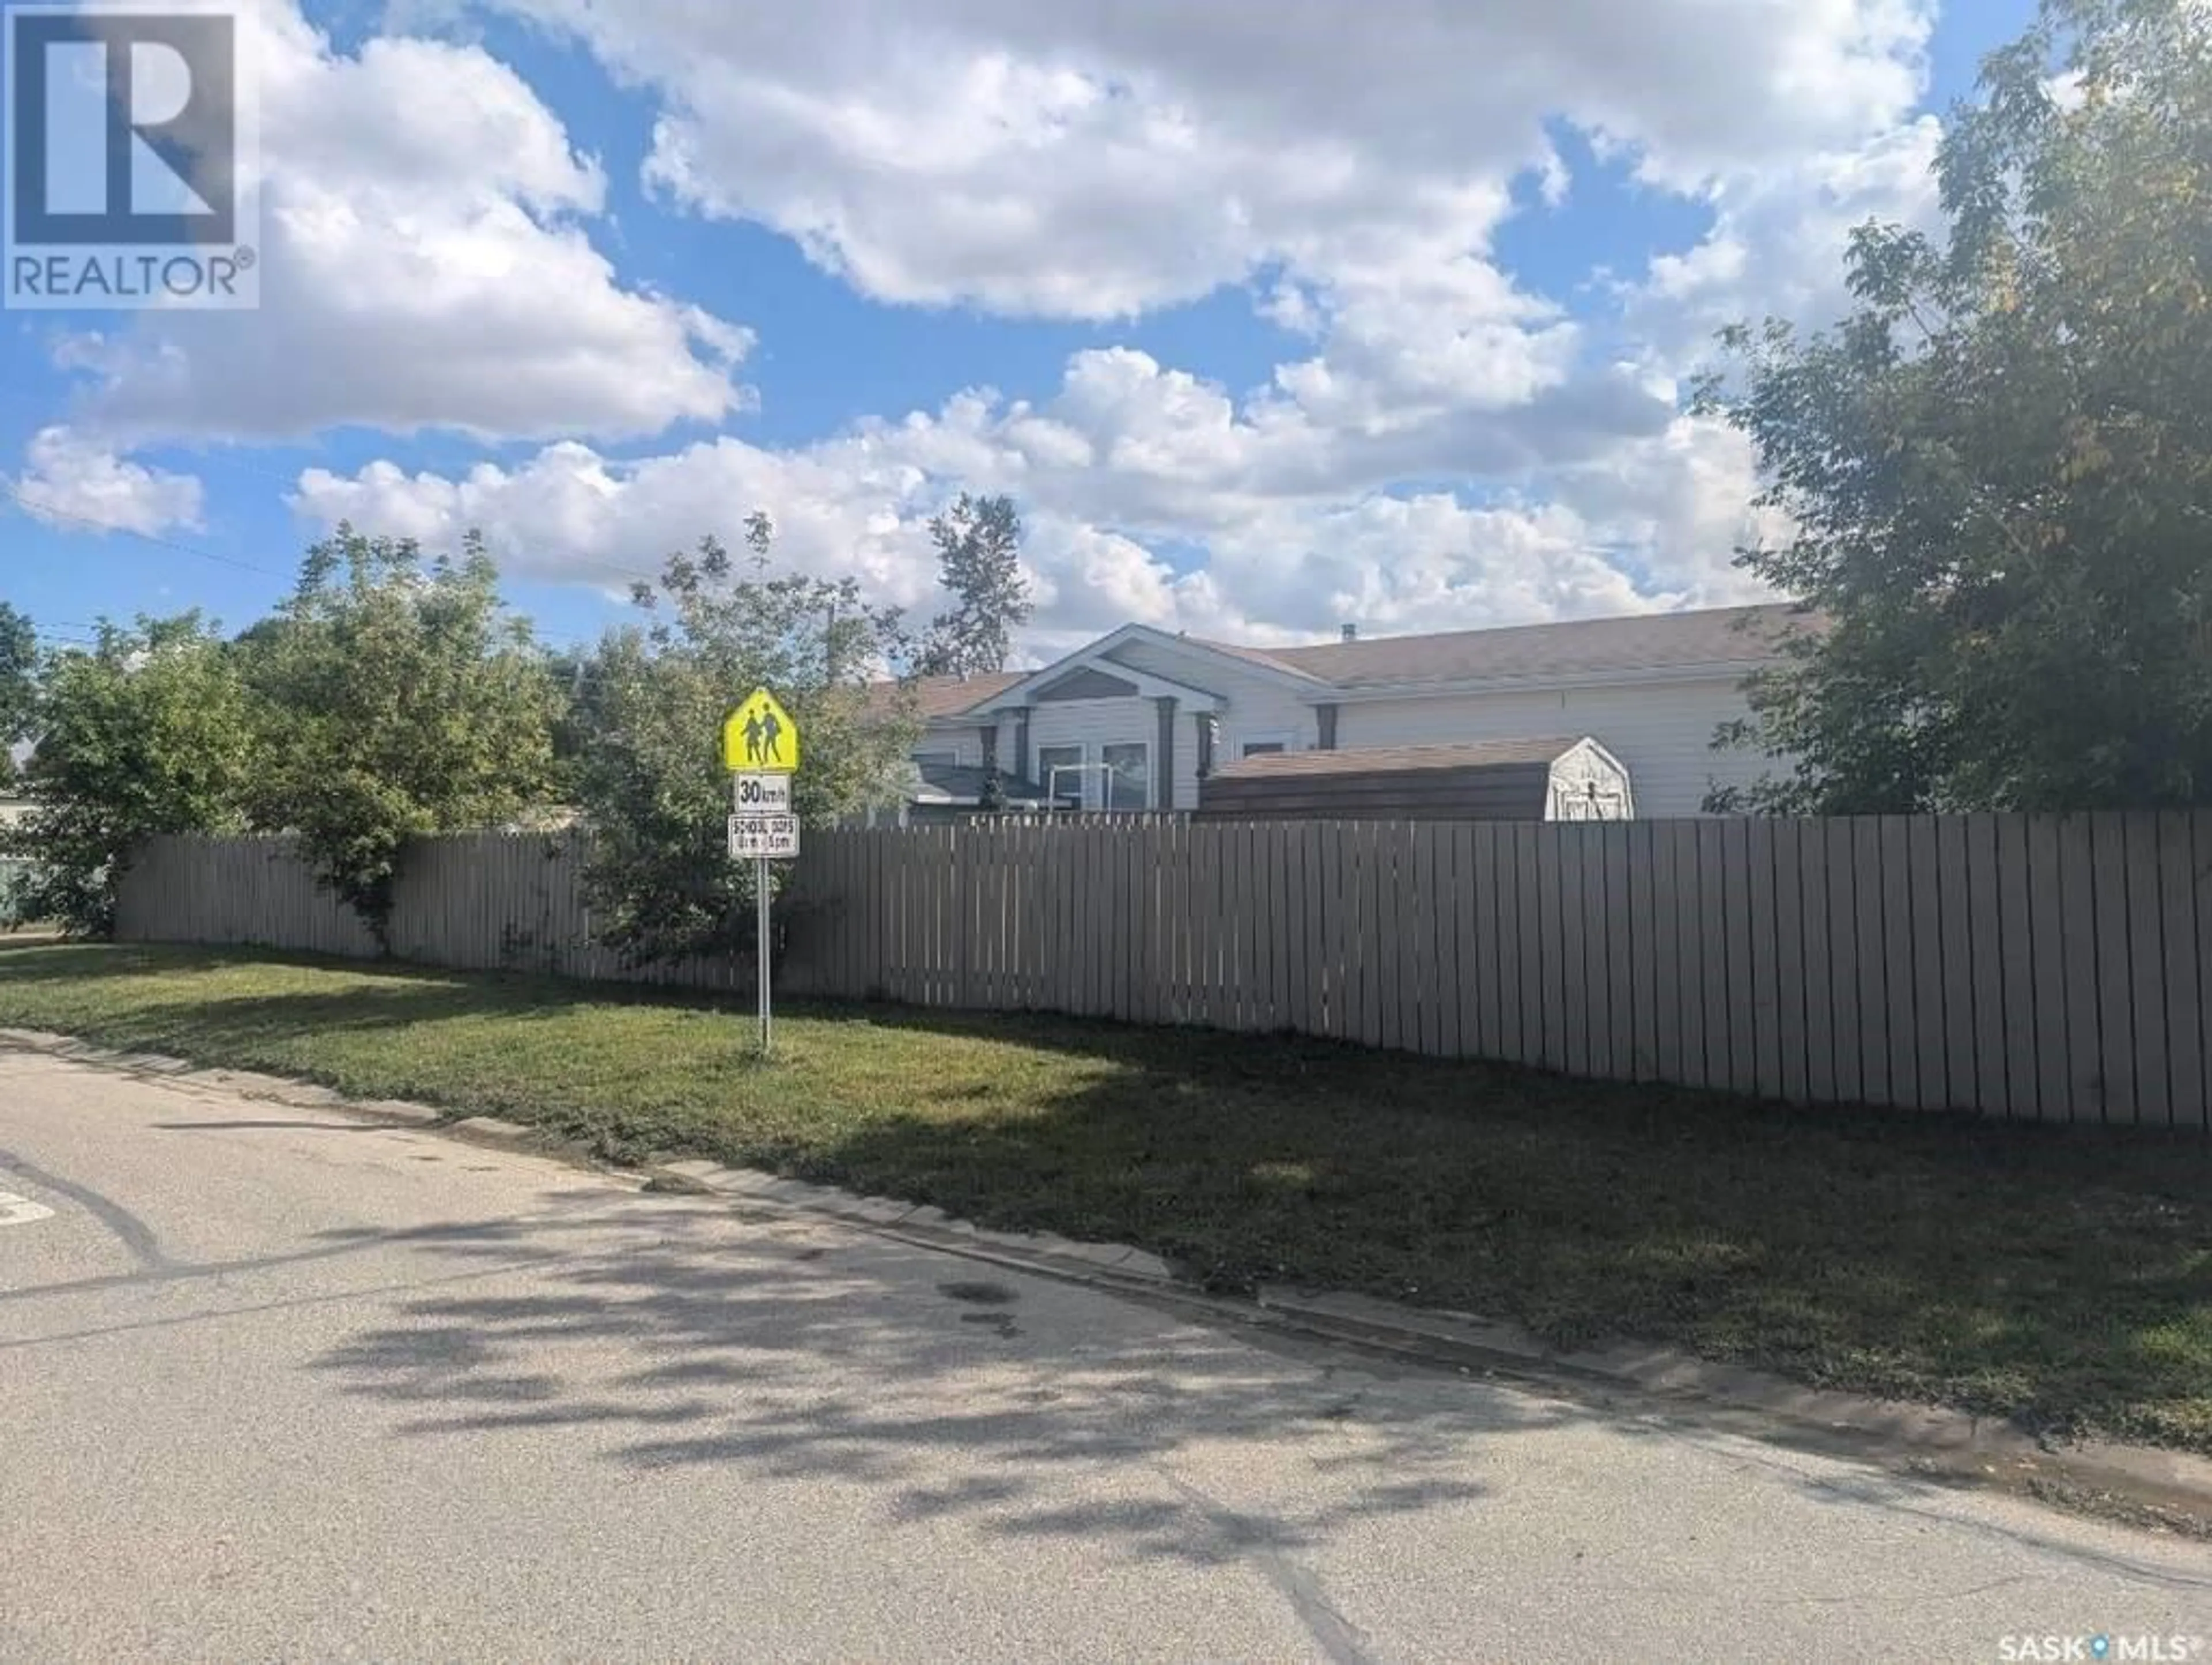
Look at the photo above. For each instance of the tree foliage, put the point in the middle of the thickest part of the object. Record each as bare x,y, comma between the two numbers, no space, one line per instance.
651,780
979,545
398,698
2000,466
148,731
19,664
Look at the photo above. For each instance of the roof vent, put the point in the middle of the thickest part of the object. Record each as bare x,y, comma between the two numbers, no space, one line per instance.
1351,632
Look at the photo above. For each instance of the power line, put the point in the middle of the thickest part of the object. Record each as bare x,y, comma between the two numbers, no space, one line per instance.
47,511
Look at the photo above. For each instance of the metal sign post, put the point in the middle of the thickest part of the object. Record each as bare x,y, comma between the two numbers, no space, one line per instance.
760,951
760,747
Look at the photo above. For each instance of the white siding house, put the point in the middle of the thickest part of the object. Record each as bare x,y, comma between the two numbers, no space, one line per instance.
1132,720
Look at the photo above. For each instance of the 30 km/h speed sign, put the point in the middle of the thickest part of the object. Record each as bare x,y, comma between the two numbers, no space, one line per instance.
760,794
763,837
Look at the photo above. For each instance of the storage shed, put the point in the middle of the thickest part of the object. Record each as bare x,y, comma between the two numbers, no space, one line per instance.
1576,779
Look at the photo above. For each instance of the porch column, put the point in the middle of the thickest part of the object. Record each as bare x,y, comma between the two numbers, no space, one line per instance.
1163,761
1326,713
1021,769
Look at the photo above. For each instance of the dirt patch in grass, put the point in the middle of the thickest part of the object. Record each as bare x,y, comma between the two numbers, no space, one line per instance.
2061,1278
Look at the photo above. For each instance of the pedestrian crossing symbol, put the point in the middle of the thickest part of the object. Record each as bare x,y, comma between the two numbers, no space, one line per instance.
759,737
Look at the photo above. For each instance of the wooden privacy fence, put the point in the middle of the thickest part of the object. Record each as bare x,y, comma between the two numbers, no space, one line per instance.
478,902
2035,967
2047,967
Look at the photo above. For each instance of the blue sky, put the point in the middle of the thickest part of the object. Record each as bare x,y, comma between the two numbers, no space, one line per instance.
1377,317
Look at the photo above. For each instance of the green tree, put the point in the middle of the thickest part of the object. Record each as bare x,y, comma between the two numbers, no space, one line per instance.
19,667
399,698
145,733
652,782
979,548
1999,466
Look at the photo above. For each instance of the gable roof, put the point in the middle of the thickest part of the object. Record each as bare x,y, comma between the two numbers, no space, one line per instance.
1645,642
942,696
1718,636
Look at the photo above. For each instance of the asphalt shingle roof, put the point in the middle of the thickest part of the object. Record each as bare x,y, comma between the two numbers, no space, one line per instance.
1649,641
1643,641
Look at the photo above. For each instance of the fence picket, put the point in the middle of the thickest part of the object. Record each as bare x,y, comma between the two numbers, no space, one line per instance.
1468,944
2004,1001
1794,1034
1573,977
2118,1020
2179,882
2077,902
1771,984
1946,855
1903,906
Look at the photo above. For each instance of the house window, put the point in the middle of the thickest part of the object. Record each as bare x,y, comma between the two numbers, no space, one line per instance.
1128,772
1263,745
936,760
1069,760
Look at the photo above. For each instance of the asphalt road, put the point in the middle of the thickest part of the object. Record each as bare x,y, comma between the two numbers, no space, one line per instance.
277,1385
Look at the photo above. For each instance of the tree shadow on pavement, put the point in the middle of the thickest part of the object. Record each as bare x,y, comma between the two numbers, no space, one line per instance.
675,1336
679,1342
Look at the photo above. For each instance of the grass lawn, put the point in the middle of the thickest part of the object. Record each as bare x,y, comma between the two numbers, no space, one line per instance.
2060,1278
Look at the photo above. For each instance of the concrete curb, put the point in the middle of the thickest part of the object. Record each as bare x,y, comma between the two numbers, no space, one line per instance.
2166,1490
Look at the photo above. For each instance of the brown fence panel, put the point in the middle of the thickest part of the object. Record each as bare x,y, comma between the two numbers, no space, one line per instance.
2051,967
2180,883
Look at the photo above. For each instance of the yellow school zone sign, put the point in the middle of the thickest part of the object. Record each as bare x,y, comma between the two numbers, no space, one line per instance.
760,738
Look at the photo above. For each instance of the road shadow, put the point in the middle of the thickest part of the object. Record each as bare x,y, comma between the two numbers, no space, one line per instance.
685,1344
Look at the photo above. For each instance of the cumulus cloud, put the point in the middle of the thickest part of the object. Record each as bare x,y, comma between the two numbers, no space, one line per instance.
1096,157
1652,525
1444,446
426,265
1779,240
77,483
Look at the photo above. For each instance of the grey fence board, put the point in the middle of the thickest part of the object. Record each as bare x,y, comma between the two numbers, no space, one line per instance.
1870,884
2084,1091
2118,1076
1576,992
2045,967
1522,978
2145,992
1901,1001
2004,994
1793,1041
2200,836
1453,922
1705,949
1955,902
2178,880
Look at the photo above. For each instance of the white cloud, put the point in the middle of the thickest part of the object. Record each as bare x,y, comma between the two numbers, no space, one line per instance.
78,484
426,265
1651,525
1779,237
1095,157
1447,447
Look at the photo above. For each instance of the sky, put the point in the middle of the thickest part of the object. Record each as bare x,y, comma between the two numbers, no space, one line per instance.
1271,317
